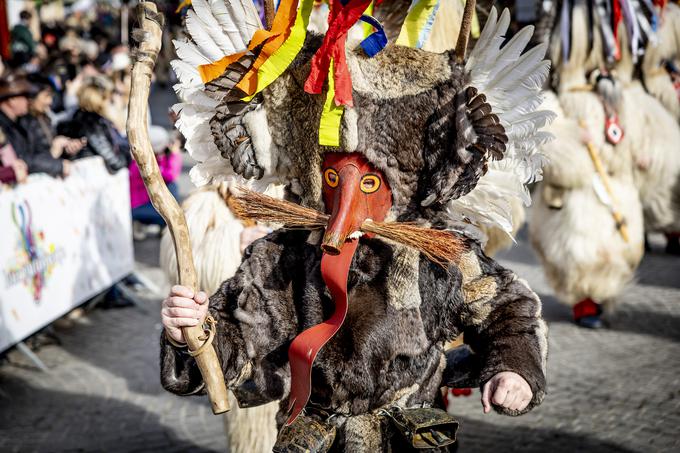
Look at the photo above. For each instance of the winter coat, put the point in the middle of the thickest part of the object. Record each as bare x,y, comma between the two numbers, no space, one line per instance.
30,147
40,128
102,139
170,165
403,308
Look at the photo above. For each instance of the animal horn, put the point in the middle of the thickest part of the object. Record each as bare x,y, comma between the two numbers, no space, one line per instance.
464,34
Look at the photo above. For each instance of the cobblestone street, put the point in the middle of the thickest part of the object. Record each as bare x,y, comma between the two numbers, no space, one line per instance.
612,390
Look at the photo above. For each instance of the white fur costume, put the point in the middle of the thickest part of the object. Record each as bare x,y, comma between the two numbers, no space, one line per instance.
667,47
571,228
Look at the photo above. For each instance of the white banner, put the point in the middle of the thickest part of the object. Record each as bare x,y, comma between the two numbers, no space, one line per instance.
61,242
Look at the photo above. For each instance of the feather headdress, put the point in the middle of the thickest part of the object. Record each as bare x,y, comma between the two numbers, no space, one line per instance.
455,141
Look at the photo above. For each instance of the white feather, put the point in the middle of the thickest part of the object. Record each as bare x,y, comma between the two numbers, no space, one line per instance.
511,81
250,18
205,14
187,74
190,54
200,35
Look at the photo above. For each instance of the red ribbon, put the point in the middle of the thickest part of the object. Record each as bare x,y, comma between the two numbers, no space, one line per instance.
305,347
340,19
616,20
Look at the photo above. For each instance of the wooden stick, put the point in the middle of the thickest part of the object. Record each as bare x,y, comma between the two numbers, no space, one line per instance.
464,34
619,219
149,45
602,173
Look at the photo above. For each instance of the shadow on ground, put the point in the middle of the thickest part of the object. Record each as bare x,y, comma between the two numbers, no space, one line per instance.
89,424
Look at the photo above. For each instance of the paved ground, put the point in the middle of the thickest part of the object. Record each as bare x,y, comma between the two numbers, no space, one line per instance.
613,390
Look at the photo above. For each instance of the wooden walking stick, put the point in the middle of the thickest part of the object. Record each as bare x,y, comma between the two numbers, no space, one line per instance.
619,220
149,44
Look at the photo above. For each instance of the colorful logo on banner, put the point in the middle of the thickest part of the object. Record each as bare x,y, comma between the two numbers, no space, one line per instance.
35,258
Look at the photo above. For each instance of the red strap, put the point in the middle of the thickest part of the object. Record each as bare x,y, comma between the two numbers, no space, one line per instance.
305,347
340,19
616,21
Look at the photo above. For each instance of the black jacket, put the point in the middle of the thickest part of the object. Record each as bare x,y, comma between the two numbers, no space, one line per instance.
102,139
30,147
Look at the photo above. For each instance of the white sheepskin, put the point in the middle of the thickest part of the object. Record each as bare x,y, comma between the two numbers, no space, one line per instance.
571,229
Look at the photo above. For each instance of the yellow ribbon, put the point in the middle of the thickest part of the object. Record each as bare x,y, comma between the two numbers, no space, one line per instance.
182,5
418,23
331,117
279,61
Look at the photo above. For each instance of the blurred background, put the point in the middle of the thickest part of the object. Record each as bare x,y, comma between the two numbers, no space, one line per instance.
81,248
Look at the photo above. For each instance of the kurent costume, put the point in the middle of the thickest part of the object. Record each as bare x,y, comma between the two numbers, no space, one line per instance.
660,69
386,147
613,159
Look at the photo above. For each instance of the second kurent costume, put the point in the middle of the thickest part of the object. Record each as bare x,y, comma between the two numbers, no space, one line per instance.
588,255
416,134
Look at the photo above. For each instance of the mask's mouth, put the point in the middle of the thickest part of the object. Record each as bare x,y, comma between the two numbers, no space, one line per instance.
333,243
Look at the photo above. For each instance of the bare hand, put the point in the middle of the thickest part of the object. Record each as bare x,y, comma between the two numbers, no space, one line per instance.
508,390
252,234
74,145
20,170
183,308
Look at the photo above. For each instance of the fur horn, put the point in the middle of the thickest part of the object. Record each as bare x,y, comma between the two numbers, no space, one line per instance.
465,26
269,13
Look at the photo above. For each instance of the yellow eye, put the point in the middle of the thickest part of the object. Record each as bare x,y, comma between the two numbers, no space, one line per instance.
370,183
331,177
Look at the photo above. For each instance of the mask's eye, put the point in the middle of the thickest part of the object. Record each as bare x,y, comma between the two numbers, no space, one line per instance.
331,177
370,183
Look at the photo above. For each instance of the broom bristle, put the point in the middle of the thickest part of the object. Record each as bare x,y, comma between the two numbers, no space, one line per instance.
439,246
263,208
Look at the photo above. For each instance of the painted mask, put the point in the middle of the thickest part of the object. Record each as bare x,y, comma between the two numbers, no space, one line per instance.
353,191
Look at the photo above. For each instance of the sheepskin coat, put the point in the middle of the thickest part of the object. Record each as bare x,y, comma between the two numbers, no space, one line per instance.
390,350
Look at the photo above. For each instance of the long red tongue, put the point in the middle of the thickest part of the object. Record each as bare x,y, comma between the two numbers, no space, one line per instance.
305,347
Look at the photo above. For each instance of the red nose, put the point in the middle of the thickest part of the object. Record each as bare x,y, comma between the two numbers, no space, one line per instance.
348,208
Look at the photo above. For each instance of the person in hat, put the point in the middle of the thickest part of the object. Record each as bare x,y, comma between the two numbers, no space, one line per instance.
14,102
343,315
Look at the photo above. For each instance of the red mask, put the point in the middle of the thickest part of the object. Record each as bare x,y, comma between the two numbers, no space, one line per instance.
353,191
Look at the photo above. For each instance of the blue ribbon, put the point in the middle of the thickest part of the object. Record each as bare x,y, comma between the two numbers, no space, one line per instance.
377,40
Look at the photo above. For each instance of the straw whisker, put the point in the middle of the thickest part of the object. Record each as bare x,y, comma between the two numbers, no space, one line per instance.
440,246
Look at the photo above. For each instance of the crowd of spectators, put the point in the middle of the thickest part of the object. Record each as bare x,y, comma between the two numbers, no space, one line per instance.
64,96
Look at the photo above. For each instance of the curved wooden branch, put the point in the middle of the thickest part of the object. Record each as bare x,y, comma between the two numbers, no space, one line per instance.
149,44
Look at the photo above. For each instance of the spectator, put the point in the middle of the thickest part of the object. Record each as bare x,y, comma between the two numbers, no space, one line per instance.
90,122
14,94
40,124
169,158
12,169
22,43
